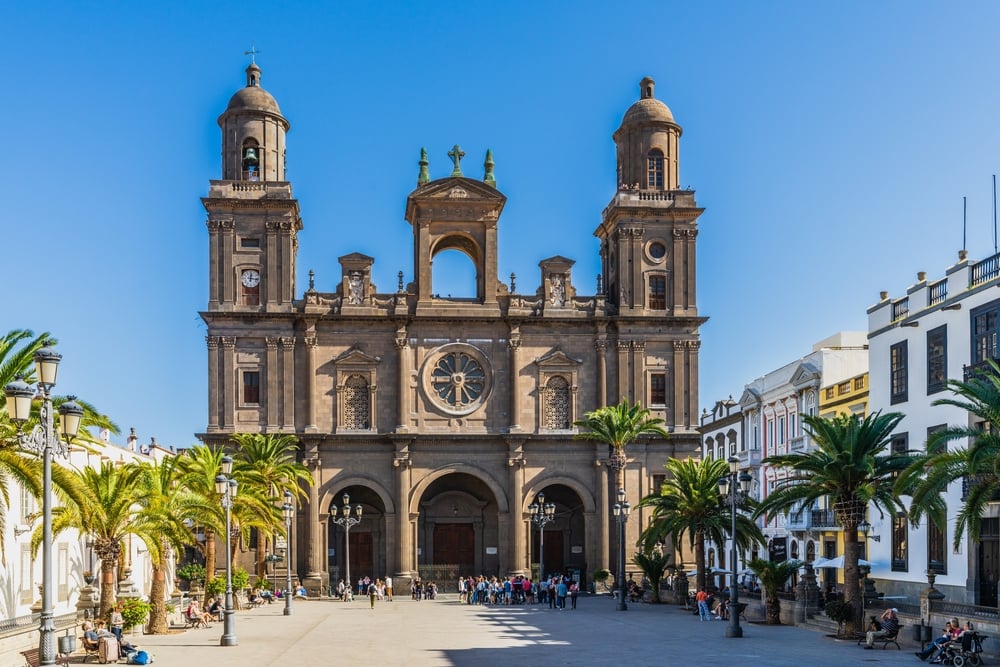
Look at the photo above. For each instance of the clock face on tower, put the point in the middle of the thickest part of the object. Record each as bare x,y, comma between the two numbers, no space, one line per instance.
251,278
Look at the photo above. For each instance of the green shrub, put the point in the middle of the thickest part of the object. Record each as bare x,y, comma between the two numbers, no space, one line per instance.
600,576
216,587
191,571
135,611
241,579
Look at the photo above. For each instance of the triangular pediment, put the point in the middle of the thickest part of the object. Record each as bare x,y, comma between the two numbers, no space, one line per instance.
558,259
458,188
355,257
355,356
806,374
750,398
557,358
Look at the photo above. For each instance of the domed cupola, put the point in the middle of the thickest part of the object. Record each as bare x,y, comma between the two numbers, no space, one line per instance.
648,146
253,134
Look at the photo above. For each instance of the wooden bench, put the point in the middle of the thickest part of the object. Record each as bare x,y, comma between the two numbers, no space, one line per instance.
31,657
888,639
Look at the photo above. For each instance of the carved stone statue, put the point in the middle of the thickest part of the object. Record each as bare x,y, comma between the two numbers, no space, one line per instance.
355,285
557,290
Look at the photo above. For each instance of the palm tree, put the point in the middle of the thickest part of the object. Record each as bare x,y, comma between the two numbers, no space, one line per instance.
689,504
772,576
268,461
199,467
975,465
164,505
618,426
654,565
101,502
851,469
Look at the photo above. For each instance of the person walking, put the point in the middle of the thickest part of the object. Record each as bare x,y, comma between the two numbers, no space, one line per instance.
561,591
702,598
372,594
388,588
574,590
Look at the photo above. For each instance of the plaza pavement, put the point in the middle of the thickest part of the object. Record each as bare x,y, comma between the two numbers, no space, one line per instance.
443,632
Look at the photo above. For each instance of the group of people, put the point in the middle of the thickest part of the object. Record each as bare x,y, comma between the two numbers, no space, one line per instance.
953,632
93,635
421,591
374,590
552,590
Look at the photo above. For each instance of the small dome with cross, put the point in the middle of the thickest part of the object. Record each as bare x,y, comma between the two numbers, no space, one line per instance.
253,97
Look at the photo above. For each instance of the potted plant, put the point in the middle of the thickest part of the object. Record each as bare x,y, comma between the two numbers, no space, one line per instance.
135,611
839,611
654,565
88,577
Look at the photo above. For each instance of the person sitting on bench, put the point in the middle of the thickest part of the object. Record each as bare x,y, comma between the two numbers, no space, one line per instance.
890,626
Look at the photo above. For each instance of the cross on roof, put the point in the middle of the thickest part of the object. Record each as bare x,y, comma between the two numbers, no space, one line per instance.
252,52
456,154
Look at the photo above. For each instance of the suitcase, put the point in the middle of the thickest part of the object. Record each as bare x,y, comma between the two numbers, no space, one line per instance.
108,650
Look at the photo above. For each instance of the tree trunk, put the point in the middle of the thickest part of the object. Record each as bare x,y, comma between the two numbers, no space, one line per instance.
699,559
107,588
261,551
157,592
852,579
209,561
773,607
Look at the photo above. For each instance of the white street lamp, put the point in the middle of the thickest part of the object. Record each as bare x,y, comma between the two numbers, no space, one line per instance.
621,510
43,440
542,514
226,487
289,512
733,487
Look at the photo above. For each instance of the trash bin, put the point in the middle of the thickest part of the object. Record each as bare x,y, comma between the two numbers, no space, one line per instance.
925,633
67,644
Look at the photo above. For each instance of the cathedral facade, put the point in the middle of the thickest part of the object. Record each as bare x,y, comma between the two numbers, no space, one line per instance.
444,419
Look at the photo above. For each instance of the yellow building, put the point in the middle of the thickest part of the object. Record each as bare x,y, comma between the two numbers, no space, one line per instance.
849,397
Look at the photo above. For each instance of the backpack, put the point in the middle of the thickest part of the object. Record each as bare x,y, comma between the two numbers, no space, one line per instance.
140,658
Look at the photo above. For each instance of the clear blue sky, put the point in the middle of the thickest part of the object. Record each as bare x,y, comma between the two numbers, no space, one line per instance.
831,144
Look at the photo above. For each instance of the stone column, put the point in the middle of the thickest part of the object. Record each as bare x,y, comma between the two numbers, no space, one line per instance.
678,271
601,346
213,261
310,342
517,557
314,579
213,382
690,274
272,383
514,360
624,391
404,531
272,275
638,366
228,232
692,383
603,508
287,273
229,397
677,401
288,384
402,408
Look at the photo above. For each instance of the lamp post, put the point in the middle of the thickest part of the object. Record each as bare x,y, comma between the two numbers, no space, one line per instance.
45,441
542,514
348,522
289,511
226,487
621,510
734,487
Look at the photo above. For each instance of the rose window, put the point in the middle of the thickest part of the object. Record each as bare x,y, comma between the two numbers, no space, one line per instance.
458,378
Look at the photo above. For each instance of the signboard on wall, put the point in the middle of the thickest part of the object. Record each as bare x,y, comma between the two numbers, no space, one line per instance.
777,549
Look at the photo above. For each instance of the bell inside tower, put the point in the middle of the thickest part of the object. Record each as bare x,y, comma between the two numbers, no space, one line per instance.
251,162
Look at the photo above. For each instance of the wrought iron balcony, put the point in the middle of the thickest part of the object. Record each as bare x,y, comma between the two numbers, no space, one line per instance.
824,519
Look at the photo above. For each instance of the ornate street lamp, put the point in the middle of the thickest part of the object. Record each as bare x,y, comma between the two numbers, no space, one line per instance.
734,487
542,514
226,487
348,522
289,511
621,510
45,441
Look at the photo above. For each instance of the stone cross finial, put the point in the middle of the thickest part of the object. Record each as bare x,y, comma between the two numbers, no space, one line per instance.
312,280
399,286
456,154
425,176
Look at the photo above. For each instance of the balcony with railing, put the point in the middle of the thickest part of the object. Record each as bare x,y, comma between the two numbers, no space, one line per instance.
750,457
985,270
823,519
799,443
937,292
900,308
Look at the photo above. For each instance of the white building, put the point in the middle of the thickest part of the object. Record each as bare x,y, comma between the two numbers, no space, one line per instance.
21,575
937,331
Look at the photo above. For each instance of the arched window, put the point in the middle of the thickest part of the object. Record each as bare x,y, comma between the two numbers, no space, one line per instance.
654,169
251,160
556,410
356,404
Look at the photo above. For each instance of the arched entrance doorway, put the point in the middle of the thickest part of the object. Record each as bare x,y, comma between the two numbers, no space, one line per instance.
367,539
458,531
565,537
